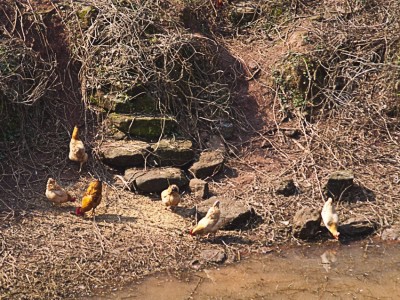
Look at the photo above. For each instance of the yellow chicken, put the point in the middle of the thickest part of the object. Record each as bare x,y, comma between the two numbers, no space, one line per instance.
91,199
77,149
330,218
170,197
56,193
209,224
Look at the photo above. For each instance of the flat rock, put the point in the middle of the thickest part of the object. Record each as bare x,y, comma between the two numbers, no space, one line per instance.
338,182
199,188
208,256
213,256
131,173
306,223
210,163
356,227
124,154
146,127
235,214
172,153
286,188
155,180
391,234
112,133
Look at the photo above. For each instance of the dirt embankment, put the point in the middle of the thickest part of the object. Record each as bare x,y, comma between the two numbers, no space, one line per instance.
313,88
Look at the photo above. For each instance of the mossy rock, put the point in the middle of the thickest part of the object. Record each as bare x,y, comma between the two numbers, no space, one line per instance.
124,103
146,127
144,103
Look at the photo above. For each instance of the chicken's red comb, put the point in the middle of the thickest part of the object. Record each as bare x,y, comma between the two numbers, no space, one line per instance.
78,211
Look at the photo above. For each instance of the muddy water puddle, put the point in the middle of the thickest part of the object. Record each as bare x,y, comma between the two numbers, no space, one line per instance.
333,271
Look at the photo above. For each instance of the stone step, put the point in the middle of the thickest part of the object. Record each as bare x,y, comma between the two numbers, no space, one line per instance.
123,102
155,180
124,154
171,152
146,127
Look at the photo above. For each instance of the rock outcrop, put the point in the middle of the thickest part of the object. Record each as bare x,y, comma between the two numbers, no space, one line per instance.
339,182
357,227
306,223
210,163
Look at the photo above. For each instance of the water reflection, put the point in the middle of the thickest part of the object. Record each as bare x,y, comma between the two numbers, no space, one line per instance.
328,258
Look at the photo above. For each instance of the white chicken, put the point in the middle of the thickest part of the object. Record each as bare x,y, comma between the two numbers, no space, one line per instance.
210,223
330,218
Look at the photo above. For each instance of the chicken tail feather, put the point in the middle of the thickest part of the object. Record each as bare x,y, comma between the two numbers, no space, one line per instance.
75,133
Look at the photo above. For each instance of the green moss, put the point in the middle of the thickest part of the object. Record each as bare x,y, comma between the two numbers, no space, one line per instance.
275,12
86,15
144,127
299,79
124,103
